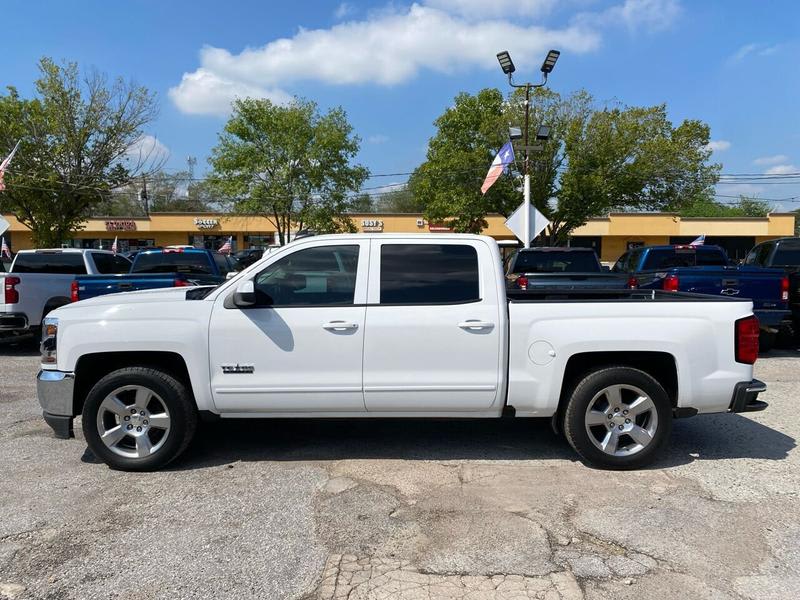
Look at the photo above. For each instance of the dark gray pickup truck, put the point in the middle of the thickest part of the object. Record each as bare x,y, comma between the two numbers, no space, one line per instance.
560,268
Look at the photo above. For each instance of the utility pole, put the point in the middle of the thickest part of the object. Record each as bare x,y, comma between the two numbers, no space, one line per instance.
143,196
504,58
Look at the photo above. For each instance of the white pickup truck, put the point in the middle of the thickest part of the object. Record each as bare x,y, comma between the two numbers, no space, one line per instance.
393,326
39,281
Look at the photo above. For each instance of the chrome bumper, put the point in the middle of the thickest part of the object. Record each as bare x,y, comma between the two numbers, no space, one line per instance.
55,389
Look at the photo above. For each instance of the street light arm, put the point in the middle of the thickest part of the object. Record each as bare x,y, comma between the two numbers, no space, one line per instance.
527,85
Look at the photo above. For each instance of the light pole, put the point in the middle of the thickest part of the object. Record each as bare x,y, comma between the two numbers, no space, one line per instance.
504,58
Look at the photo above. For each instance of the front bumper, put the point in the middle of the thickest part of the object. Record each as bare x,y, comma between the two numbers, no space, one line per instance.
745,396
55,390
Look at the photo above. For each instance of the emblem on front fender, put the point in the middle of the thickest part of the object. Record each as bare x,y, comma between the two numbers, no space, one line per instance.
237,368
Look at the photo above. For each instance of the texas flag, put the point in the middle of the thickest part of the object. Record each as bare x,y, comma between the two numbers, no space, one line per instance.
504,157
4,166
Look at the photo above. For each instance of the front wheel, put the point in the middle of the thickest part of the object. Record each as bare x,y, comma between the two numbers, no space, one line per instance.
618,418
138,419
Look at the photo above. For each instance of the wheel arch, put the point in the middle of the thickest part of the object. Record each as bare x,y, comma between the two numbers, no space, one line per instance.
90,368
661,366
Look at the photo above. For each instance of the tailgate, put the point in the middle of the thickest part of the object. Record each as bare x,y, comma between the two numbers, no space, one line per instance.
762,286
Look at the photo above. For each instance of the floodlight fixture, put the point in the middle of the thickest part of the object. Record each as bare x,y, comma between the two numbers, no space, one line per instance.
549,61
504,58
543,133
514,133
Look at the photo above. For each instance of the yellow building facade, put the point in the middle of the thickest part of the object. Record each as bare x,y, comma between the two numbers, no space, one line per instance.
610,236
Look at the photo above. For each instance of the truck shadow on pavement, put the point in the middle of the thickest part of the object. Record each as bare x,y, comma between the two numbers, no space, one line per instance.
706,437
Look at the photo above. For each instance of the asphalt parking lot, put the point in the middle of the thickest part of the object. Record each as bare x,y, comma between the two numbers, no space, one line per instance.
406,509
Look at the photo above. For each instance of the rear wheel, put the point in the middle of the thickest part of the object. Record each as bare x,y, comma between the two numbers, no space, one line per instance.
138,419
618,418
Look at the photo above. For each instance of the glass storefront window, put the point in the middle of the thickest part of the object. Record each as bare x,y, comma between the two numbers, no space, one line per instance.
211,242
259,240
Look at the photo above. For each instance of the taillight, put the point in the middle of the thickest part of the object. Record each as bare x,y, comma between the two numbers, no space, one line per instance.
670,283
73,292
522,282
181,283
747,330
785,289
633,283
12,294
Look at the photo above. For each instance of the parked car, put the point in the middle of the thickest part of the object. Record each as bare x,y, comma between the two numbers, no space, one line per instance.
783,253
249,256
152,269
39,281
560,268
382,325
707,270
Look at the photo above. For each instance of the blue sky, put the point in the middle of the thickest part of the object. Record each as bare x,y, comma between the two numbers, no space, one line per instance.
395,66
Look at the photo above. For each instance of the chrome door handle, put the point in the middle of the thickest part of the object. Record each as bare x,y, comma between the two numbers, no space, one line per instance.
339,326
473,324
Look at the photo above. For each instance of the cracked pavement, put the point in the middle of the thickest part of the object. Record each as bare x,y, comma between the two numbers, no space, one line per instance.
403,510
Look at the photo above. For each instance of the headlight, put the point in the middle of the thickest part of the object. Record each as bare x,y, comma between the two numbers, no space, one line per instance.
49,339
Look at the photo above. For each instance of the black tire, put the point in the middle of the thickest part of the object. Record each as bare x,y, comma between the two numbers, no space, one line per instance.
173,394
576,414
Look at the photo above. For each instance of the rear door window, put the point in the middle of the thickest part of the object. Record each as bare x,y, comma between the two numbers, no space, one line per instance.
64,263
429,274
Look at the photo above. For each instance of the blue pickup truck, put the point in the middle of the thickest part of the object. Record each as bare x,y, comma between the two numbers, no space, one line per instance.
151,269
707,270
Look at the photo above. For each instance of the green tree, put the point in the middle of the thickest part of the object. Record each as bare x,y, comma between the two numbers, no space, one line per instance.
401,200
362,203
76,136
290,164
458,157
743,207
595,161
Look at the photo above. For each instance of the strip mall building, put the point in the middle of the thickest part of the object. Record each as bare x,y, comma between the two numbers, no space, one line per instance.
610,236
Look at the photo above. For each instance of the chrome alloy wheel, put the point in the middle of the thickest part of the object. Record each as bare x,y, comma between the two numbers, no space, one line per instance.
133,421
621,420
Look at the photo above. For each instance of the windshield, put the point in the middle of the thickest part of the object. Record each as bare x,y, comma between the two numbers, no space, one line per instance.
556,262
172,262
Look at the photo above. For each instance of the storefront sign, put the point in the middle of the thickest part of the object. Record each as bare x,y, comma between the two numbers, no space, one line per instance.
373,225
438,227
206,223
121,225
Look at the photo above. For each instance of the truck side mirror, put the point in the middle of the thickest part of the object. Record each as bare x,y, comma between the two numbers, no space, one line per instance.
245,294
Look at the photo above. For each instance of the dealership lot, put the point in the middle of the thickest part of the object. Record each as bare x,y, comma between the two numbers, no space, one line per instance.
404,509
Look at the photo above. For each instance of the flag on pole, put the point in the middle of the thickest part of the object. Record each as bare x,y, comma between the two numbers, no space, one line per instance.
226,247
4,251
4,166
503,158
699,241
114,245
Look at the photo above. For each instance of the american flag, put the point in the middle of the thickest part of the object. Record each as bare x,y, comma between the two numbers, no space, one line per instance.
503,158
114,245
226,247
4,251
4,166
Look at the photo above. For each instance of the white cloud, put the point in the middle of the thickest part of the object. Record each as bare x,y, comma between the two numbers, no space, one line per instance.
205,92
495,8
147,149
635,15
718,145
345,9
754,49
393,45
771,160
378,138
782,170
